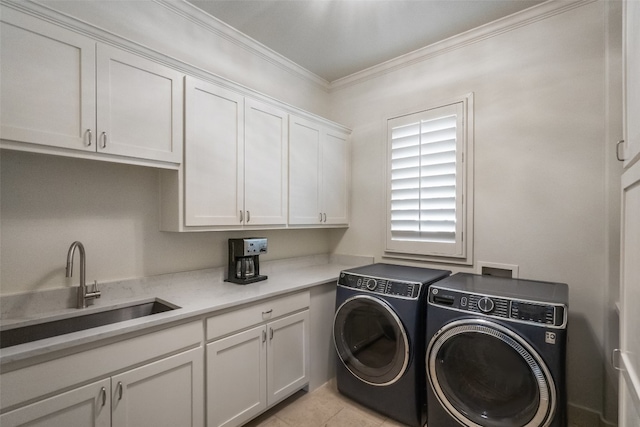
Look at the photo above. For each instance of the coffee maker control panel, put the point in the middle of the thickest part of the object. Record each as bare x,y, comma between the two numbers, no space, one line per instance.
255,246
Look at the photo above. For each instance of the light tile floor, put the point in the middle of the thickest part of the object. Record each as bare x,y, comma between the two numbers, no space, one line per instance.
324,407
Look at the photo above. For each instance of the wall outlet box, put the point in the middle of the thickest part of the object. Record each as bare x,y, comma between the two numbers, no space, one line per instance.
497,269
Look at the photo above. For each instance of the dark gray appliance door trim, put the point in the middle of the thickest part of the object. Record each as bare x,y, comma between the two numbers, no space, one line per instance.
399,364
545,384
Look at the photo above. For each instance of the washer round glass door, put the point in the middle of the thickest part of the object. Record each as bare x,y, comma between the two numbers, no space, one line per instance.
371,340
486,375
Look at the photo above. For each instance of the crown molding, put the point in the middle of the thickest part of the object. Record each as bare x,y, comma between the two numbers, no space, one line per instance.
45,13
492,29
221,29
187,11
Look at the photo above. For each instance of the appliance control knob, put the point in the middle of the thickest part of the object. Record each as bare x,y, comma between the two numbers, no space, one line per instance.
371,284
485,304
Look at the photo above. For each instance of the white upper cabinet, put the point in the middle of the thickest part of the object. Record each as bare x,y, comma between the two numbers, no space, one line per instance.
265,164
245,165
47,83
336,177
631,42
213,156
319,174
61,89
304,171
139,107
236,166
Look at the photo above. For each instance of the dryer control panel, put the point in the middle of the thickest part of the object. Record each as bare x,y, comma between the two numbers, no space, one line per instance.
378,285
538,313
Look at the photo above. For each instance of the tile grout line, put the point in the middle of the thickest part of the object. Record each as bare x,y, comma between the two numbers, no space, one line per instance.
281,420
332,417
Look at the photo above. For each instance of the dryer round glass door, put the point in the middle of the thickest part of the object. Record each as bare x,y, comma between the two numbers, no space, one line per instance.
370,340
486,375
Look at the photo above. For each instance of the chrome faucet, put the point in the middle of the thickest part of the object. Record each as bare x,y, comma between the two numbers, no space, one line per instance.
83,294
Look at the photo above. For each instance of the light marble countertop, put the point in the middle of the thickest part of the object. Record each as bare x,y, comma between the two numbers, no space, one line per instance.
197,293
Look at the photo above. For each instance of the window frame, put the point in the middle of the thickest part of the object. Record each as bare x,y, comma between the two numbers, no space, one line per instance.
460,252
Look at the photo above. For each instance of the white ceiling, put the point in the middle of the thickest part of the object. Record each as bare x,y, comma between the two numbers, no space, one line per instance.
336,38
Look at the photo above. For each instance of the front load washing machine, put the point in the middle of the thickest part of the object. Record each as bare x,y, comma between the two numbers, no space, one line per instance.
379,338
496,351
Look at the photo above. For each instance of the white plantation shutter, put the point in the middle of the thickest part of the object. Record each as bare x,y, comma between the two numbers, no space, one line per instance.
425,214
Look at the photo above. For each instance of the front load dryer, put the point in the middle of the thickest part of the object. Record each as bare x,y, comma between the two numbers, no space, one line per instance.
496,351
379,338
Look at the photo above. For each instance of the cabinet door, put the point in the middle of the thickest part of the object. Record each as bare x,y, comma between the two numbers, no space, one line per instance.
304,171
629,385
631,81
236,378
139,107
169,392
265,167
214,137
287,356
88,406
629,392
335,178
47,83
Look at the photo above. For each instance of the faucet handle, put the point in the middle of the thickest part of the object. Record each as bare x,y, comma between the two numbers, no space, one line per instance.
95,293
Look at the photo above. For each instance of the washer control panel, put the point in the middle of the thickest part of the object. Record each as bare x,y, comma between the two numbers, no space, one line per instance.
380,285
507,308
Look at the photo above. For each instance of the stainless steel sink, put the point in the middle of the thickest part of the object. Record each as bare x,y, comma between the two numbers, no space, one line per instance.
51,328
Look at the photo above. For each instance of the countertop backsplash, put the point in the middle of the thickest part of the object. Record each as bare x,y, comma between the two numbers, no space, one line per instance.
28,305
196,294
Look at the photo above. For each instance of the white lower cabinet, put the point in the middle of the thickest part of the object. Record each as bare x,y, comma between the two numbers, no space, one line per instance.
255,362
160,393
287,356
89,405
236,378
166,391
157,394
256,356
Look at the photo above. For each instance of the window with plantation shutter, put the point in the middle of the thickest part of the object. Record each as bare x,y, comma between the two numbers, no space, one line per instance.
426,182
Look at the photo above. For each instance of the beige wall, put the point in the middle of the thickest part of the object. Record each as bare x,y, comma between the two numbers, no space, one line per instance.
544,177
48,202
182,32
540,168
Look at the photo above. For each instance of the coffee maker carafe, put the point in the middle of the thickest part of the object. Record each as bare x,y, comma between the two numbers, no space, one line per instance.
244,264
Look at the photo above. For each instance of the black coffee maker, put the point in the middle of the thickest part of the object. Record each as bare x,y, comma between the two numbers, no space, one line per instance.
244,265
